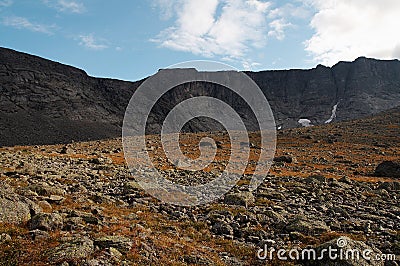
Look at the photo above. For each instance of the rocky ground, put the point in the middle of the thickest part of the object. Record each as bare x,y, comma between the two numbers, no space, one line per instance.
79,205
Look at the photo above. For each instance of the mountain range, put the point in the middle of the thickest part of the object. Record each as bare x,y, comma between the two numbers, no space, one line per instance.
45,102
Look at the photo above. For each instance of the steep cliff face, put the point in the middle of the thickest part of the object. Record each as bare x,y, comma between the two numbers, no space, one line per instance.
359,88
367,86
44,102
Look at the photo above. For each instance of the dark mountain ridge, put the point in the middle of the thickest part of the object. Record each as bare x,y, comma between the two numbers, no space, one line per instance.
44,102
360,88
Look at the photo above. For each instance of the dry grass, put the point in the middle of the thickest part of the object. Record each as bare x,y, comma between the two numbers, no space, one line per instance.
21,250
171,239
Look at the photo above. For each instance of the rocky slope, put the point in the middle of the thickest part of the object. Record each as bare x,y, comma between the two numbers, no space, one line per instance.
79,205
43,102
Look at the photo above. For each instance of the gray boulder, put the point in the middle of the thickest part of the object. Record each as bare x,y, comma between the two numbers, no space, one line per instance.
46,222
241,198
74,249
222,228
307,226
122,244
14,208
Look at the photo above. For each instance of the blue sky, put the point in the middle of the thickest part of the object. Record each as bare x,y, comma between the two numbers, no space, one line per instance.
132,39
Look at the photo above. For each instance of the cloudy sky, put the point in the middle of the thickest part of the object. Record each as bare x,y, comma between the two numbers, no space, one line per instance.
133,39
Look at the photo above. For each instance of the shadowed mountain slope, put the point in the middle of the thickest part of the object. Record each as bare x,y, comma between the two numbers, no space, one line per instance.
44,102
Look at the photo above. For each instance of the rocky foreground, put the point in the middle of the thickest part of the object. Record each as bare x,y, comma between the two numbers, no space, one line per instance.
79,205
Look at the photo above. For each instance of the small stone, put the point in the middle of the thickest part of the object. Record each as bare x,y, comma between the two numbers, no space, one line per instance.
276,217
4,237
73,223
132,186
85,216
66,150
241,198
123,244
46,221
39,234
346,180
45,205
93,262
115,253
222,228
284,158
95,161
55,199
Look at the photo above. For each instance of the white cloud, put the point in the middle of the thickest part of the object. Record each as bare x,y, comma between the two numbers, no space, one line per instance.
68,6
289,10
6,3
278,27
167,7
226,28
347,29
90,42
24,23
282,15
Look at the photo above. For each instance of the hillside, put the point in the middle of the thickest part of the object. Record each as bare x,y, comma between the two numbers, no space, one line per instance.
79,204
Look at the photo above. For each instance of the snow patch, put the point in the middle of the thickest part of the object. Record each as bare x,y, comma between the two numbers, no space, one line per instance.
305,122
333,116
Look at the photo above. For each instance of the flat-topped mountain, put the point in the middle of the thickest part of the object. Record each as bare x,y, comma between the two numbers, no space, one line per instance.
44,102
47,102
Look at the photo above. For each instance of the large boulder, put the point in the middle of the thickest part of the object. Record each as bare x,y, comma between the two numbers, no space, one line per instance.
71,250
244,198
14,208
222,228
388,169
122,244
307,226
46,221
44,189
